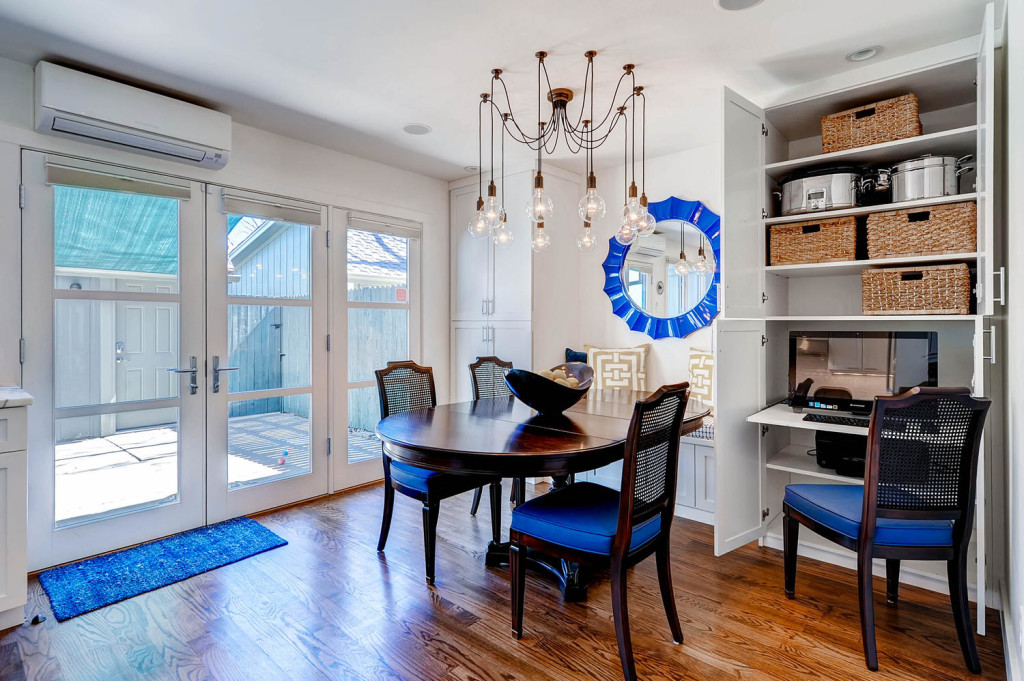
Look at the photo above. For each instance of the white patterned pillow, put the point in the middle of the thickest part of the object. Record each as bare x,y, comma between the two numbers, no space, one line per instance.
624,368
702,369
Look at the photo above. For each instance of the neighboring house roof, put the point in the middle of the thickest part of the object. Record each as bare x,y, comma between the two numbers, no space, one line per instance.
377,256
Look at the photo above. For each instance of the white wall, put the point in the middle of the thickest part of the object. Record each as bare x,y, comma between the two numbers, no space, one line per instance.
1014,610
260,161
691,175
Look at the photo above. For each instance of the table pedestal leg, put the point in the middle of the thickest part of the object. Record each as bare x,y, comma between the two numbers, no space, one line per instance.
571,577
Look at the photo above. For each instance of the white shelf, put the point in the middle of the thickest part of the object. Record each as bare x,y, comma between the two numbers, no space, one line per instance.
867,210
794,459
783,415
846,267
876,318
956,142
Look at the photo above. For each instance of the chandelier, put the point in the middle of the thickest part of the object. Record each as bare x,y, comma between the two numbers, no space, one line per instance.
555,125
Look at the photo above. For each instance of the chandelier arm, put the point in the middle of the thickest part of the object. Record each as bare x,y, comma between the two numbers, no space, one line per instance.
611,107
643,144
508,102
480,147
588,76
632,111
625,160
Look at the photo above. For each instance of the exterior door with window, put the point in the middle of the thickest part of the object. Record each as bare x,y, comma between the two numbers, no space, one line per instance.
113,319
267,439
379,283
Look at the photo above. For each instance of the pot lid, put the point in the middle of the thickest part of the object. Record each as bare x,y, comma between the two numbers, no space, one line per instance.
821,171
926,161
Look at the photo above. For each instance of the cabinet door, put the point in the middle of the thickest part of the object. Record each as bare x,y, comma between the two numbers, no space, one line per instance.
742,227
512,282
469,341
513,342
471,260
13,530
704,477
986,161
739,463
685,483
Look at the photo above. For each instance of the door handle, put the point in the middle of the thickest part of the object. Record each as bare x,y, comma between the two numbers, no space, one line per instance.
193,384
991,356
217,368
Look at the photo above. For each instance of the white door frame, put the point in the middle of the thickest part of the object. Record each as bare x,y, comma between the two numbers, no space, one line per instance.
47,544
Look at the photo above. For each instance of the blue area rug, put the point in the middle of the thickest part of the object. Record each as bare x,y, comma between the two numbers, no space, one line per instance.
88,585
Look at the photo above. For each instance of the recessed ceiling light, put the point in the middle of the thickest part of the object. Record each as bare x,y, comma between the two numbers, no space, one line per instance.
736,5
417,128
864,53
472,169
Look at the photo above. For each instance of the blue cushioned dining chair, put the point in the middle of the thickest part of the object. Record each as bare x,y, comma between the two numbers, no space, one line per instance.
917,502
594,525
404,386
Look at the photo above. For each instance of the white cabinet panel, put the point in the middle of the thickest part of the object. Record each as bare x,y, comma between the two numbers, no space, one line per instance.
512,341
469,341
13,540
471,260
704,478
512,283
986,161
685,483
739,389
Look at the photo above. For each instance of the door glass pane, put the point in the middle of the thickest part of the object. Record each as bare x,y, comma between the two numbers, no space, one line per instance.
363,415
375,337
108,351
268,258
109,464
268,440
378,267
113,241
270,345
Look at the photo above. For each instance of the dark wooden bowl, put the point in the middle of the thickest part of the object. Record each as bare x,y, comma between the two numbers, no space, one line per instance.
546,396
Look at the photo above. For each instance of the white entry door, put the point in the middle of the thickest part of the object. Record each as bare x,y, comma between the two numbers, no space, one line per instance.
267,436
113,321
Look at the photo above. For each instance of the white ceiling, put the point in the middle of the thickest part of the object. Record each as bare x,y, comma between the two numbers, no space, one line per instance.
350,74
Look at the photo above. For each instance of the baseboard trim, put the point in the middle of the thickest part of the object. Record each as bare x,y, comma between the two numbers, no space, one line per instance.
1011,638
837,555
691,513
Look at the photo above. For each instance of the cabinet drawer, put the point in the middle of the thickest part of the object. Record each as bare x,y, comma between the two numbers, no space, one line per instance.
13,427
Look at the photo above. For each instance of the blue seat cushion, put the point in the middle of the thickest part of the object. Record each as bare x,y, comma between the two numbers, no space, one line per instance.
840,507
582,516
442,484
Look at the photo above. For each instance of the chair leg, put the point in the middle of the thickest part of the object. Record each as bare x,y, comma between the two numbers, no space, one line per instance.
621,614
867,609
389,507
956,571
430,513
667,595
476,500
892,580
517,569
790,535
495,512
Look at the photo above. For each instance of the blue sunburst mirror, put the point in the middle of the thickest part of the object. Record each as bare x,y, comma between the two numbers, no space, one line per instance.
647,287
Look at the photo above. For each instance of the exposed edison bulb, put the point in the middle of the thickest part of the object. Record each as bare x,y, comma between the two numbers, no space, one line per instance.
541,240
632,211
502,236
478,225
539,207
626,234
682,266
703,265
646,224
493,212
592,206
586,240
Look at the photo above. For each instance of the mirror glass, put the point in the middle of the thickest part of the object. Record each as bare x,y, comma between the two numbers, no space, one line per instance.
652,280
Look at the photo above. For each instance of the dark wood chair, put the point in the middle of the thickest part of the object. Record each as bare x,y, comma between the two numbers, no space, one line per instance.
488,375
917,502
594,525
404,386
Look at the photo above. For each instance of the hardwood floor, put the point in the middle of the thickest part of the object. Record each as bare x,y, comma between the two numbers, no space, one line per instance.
327,606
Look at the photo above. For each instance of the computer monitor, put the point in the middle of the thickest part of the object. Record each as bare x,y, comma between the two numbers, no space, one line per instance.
846,370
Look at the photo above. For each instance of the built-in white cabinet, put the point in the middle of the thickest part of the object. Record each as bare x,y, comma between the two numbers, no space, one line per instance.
13,506
471,339
760,448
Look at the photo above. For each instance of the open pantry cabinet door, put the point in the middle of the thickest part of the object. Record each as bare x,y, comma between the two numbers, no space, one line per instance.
739,392
985,182
742,227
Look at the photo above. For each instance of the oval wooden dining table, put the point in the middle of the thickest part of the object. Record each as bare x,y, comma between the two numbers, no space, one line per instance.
503,437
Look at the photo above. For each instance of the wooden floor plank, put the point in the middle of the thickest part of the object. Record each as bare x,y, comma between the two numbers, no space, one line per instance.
328,606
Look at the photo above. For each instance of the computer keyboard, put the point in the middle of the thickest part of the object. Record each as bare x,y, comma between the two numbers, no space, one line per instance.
837,420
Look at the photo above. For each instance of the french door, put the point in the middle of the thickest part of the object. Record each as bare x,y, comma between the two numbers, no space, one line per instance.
169,392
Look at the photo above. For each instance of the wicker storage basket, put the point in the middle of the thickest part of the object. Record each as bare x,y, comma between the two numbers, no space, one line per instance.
892,119
951,228
936,289
814,241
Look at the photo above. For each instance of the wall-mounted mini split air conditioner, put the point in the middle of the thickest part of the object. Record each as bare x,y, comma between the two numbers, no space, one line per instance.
88,108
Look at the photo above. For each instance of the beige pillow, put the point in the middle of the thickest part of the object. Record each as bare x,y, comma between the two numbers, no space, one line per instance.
702,369
624,368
